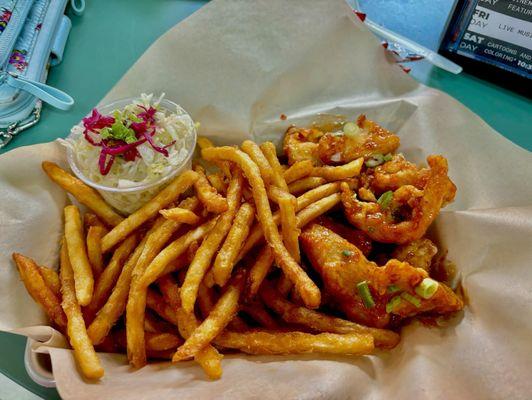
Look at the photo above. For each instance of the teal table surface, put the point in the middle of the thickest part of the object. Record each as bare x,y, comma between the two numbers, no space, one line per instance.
111,35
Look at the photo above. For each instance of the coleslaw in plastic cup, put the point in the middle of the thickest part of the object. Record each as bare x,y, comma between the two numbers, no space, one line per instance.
128,150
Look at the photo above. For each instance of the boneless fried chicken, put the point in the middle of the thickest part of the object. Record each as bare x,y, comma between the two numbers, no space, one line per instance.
402,215
370,294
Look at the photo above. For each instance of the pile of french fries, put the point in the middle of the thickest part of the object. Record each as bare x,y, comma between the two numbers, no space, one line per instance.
210,264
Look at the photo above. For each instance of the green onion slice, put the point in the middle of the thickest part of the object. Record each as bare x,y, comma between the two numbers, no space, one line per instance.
347,253
427,288
392,289
374,160
392,304
365,294
411,299
385,199
387,157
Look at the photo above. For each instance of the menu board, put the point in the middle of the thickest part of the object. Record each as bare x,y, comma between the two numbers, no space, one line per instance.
498,32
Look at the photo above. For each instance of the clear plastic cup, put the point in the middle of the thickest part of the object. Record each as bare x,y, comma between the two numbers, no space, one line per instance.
129,199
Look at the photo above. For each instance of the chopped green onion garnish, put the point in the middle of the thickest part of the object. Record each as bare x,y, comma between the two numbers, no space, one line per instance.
351,129
427,288
387,157
392,304
385,199
365,294
392,289
374,160
347,253
411,299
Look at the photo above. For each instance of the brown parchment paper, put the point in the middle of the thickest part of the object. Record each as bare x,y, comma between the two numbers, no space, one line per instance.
236,66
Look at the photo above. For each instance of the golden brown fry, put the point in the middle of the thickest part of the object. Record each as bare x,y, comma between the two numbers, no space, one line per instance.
94,249
206,302
136,304
320,322
116,303
169,289
155,302
208,195
304,285
181,215
83,193
225,260
316,209
305,184
218,182
260,315
202,260
341,172
77,253
204,142
289,229
149,210
106,281
77,333
90,219
51,279
259,270
213,325
255,153
269,151
162,341
264,342
298,170
39,291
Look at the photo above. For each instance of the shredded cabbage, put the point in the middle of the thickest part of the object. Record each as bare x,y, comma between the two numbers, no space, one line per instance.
171,126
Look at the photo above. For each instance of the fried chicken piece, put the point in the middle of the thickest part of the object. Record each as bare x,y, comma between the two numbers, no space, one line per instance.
418,253
409,213
395,173
342,266
302,144
352,235
370,139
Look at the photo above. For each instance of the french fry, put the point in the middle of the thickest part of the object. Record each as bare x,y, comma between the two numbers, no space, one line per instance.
86,357
206,302
213,325
259,270
94,249
316,209
256,234
107,280
51,279
303,284
141,279
284,285
305,184
255,153
149,210
116,303
154,324
320,322
260,315
156,302
269,151
204,142
202,260
90,219
265,342
208,195
83,193
208,358
162,341
217,181
35,285
289,229
225,260
349,170
77,252
298,170
181,215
